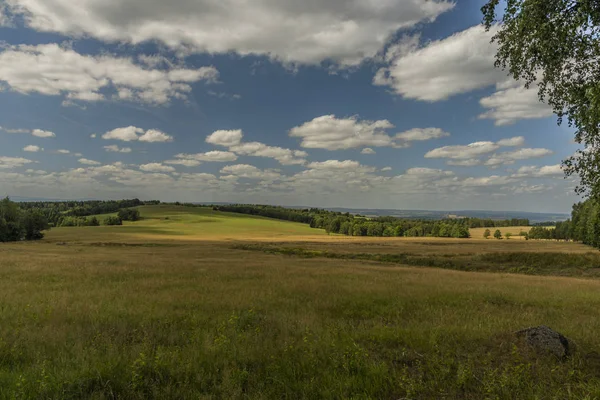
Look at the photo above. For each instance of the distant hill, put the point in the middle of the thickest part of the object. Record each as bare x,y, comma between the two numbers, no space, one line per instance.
429,214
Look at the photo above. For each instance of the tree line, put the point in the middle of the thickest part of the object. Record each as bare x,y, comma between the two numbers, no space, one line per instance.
76,213
354,225
18,224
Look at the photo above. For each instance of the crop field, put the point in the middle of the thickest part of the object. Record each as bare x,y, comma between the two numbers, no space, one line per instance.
189,303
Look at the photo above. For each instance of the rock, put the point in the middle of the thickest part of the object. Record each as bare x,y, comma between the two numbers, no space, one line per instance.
543,339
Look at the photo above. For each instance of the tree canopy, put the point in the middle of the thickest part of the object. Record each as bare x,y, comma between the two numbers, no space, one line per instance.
555,44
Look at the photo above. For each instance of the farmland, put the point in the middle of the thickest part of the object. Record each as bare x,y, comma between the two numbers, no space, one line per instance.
192,303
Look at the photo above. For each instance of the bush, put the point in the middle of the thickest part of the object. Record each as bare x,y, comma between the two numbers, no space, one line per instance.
129,214
113,221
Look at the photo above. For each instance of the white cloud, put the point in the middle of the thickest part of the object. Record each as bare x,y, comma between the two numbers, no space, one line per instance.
547,171
470,155
385,169
460,152
233,141
126,134
32,148
53,70
340,165
512,142
113,148
85,161
331,133
132,133
521,154
419,134
63,151
457,64
210,156
155,136
93,136
18,130
225,138
506,106
13,162
368,150
250,172
184,162
156,167
346,32
41,133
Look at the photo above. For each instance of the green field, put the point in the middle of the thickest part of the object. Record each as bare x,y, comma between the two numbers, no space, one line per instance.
194,304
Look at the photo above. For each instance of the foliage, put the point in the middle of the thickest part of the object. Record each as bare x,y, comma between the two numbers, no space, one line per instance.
508,235
487,233
17,224
353,225
498,234
113,220
556,45
129,214
57,211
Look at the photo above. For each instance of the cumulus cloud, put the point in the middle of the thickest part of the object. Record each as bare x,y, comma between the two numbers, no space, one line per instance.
233,141
225,138
32,149
93,136
184,162
41,133
331,133
53,70
443,68
385,169
419,134
86,161
63,151
155,136
460,152
546,171
250,172
156,167
454,65
132,133
512,142
210,156
17,130
522,154
367,150
506,106
345,32
113,148
471,154
13,162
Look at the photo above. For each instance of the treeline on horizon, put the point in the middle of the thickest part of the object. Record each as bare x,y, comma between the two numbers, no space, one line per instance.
75,213
357,225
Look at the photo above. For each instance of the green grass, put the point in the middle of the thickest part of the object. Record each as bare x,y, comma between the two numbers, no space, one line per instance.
531,263
101,313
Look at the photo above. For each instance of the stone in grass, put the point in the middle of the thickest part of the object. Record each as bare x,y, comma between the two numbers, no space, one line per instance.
543,339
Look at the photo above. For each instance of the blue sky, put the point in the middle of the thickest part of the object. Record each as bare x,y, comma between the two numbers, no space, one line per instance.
381,104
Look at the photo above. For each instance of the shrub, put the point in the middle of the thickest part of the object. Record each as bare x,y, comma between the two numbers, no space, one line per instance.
129,214
113,220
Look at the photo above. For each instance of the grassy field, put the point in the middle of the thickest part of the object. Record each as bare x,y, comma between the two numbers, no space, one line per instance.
206,305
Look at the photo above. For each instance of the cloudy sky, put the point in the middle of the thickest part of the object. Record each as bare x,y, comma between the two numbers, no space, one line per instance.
350,103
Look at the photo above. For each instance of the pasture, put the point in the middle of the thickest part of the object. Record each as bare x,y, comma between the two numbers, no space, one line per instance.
194,304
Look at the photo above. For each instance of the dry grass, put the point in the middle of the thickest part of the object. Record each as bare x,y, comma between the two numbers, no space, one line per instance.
103,314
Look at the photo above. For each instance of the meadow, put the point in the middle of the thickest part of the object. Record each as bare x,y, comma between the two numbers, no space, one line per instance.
189,303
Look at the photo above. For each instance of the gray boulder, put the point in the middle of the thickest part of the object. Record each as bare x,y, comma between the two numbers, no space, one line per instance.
545,340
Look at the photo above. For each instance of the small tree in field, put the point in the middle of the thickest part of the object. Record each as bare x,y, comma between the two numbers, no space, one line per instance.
113,220
487,234
508,235
498,234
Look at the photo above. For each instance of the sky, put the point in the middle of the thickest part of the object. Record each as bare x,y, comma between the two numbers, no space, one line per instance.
329,103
